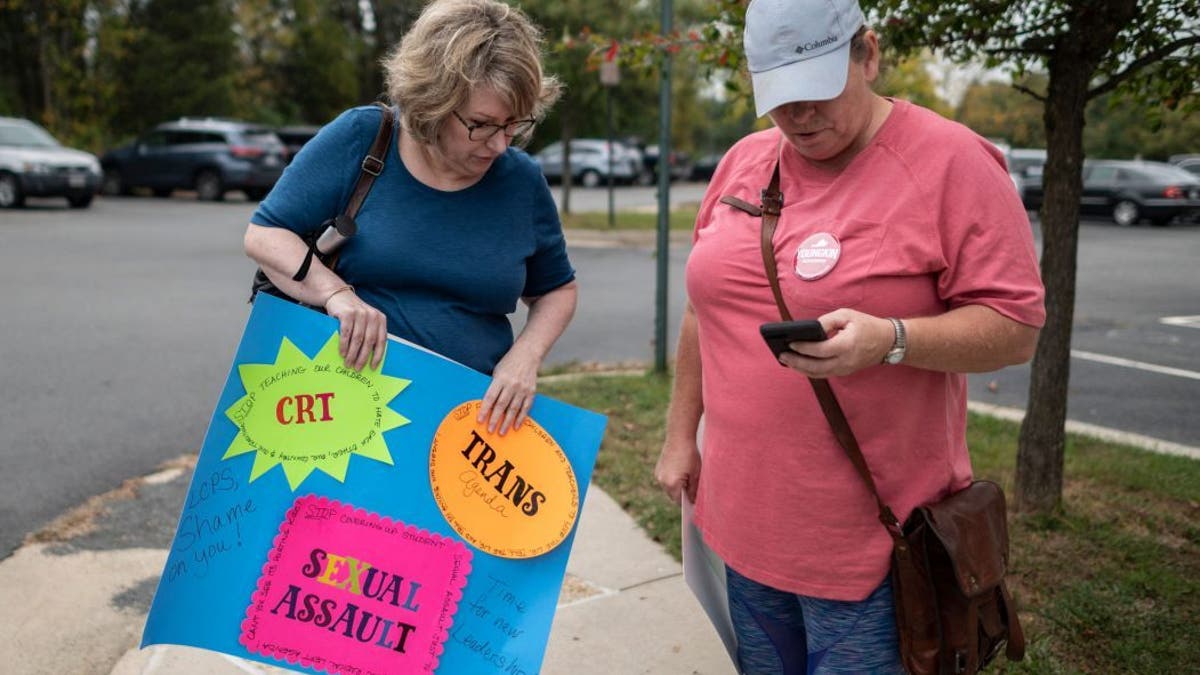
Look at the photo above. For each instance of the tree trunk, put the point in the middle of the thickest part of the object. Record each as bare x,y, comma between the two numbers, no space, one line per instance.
1040,452
1077,54
44,72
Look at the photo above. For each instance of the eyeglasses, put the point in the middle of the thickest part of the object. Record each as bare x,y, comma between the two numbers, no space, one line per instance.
485,130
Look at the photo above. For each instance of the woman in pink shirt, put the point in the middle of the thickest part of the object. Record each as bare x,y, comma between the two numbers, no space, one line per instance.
901,233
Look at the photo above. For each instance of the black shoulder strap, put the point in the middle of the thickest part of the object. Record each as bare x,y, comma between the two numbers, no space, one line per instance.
372,165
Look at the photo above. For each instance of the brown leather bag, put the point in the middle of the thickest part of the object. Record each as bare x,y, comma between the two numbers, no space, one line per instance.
953,610
948,580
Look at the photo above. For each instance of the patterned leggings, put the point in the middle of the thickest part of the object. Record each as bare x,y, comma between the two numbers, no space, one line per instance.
781,633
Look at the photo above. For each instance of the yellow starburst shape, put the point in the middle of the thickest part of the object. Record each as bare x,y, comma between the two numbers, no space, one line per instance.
307,414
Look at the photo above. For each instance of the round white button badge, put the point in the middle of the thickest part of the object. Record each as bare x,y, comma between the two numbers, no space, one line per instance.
817,256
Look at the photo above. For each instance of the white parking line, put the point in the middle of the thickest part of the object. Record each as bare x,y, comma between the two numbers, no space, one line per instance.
1095,431
1139,365
1185,321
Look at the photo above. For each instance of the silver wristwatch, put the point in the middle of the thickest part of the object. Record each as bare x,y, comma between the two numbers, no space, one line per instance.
896,353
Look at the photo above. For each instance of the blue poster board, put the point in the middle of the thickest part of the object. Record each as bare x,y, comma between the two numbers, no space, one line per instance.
244,490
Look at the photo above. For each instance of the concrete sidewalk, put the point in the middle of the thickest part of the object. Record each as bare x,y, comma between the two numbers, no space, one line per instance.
623,609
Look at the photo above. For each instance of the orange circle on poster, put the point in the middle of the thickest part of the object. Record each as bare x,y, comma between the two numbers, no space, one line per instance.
512,496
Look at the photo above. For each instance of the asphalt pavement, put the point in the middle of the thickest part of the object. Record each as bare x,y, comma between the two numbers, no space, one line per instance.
75,592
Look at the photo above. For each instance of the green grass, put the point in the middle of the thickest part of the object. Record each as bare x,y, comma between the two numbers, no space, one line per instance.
1109,584
683,217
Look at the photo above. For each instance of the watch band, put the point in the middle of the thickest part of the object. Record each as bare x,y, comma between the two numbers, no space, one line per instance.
900,346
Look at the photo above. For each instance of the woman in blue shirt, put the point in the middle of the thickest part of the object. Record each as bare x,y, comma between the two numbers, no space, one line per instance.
459,224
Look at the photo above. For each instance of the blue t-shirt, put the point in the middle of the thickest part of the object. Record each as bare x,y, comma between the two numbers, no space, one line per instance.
445,267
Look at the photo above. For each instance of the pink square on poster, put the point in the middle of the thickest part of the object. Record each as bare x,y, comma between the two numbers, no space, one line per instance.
346,591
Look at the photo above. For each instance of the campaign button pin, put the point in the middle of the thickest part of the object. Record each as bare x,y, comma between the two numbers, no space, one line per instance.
817,255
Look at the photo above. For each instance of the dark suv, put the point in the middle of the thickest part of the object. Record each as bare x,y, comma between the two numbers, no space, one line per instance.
295,137
210,156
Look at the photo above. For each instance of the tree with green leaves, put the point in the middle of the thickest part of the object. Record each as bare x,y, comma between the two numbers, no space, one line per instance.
908,78
387,23
998,110
1148,50
579,35
181,61
1118,129
261,50
320,66
59,63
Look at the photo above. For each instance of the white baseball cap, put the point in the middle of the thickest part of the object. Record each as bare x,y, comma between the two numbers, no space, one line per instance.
799,50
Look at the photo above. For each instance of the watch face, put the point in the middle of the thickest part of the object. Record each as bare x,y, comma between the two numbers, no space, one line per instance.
895,356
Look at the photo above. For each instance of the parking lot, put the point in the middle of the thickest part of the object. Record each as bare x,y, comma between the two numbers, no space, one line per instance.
120,321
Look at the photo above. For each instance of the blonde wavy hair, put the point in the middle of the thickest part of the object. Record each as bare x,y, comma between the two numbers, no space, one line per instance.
458,46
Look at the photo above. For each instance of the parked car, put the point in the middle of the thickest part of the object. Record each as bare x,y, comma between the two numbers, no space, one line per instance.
1025,167
1189,163
679,163
704,167
210,156
294,137
1129,191
590,162
34,164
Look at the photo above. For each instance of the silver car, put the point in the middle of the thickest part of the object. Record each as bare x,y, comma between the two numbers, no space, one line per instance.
1025,168
34,164
590,162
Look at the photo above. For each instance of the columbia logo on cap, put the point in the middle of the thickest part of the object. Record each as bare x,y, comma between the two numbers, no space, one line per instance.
808,46
799,50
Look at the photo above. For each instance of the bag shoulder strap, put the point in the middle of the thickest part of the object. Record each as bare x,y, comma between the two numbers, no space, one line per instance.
372,165
772,205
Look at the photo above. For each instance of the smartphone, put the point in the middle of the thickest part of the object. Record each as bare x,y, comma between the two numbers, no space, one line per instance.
779,334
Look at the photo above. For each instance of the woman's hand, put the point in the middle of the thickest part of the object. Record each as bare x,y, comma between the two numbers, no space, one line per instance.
967,339
363,329
509,397
856,341
514,380
678,470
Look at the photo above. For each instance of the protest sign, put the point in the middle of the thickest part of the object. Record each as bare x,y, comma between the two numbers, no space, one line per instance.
346,521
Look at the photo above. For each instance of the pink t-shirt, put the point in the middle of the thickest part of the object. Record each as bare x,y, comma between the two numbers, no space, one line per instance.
923,220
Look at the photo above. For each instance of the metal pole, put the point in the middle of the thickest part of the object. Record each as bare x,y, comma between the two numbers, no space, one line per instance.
664,198
612,212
